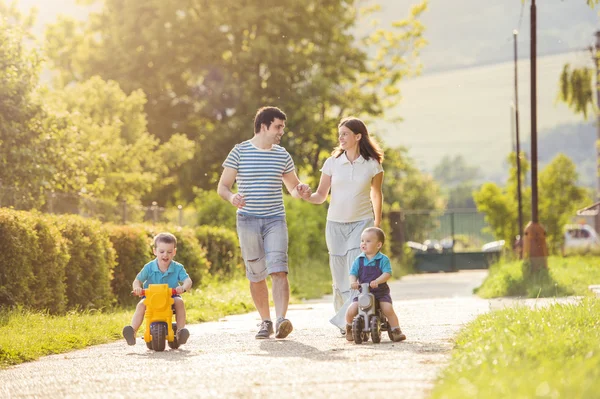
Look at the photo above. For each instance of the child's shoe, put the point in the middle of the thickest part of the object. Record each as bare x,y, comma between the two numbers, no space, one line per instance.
397,335
349,335
129,335
182,336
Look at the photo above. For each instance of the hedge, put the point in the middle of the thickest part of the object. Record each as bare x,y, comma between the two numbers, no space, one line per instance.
133,250
222,250
33,262
92,260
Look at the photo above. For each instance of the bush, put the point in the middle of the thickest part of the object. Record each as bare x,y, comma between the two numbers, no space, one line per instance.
92,260
133,250
32,268
212,210
222,250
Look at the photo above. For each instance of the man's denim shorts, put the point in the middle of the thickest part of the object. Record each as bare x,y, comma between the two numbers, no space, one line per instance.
264,244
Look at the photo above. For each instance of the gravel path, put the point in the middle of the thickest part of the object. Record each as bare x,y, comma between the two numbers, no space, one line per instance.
222,359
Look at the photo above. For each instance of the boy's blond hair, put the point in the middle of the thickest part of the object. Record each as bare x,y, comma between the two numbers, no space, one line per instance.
167,238
378,232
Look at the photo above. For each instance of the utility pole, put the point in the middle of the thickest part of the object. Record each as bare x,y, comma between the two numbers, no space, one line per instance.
518,148
596,57
534,248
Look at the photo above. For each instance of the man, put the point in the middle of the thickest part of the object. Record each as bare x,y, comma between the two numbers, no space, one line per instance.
260,165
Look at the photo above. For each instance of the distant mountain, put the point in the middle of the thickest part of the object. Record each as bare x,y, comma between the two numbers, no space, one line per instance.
467,33
577,141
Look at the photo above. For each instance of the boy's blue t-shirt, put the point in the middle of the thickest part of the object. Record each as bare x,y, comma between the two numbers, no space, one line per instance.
151,274
384,264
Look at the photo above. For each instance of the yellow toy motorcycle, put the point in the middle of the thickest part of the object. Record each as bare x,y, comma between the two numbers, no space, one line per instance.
159,317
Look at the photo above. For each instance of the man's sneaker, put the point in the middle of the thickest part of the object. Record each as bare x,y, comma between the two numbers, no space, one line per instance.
129,335
349,335
182,336
284,328
266,329
397,335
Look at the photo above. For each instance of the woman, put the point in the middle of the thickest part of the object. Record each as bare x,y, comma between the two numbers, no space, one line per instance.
355,176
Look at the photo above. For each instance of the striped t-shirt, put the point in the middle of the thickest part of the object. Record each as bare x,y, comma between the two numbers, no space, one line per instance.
259,177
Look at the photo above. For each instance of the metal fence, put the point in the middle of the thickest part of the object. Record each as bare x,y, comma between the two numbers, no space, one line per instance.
85,206
458,230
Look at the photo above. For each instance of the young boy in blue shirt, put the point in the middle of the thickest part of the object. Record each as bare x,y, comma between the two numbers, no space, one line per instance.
373,267
162,270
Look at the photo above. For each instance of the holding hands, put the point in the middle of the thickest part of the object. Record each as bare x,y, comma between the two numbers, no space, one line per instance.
354,285
304,191
374,284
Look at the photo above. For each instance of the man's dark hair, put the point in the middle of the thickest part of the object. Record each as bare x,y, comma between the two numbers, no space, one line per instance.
267,115
167,238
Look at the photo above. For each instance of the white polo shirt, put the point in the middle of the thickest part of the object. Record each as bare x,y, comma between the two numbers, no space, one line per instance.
350,188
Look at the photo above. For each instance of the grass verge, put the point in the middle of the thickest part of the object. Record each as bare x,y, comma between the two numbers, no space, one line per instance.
565,276
551,352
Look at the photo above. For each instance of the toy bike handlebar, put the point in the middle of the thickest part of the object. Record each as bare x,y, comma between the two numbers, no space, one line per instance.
143,293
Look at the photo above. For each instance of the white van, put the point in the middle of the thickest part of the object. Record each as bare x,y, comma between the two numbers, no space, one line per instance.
580,237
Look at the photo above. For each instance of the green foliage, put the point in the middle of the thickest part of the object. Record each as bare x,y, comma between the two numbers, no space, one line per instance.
91,262
576,89
222,250
308,257
566,276
32,271
133,249
207,67
22,144
559,199
407,188
106,149
526,353
212,210
500,205
457,179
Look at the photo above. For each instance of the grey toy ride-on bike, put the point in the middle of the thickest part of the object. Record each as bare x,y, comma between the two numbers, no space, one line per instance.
370,319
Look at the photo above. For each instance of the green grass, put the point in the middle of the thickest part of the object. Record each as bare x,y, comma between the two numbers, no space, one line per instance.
552,352
565,276
310,278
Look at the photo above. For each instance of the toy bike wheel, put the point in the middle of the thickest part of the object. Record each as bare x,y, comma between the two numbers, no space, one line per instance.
149,345
159,336
375,330
357,327
174,344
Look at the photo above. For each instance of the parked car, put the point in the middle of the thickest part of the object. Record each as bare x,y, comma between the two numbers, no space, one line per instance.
433,246
416,247
494,246
580,237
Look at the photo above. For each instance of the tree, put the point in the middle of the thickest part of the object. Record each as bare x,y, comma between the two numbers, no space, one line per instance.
457,179
206,67
560,197
22,146
101,144
405,188
500,205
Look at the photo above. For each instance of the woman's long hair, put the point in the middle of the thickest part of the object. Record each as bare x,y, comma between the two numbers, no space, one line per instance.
367,146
